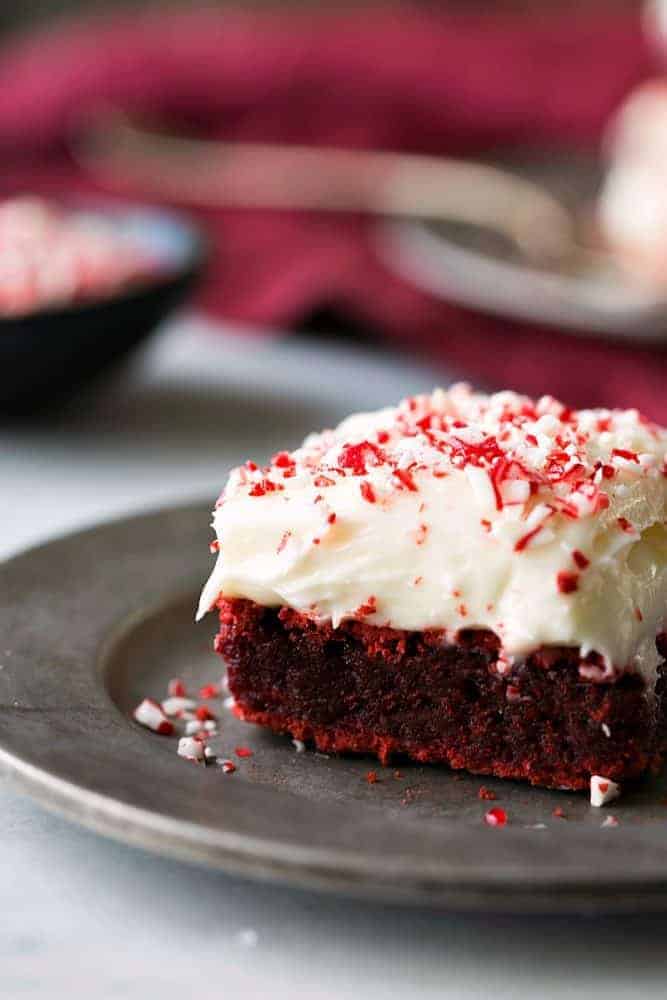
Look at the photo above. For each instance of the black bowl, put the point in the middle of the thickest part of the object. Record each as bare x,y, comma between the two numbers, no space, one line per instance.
47,354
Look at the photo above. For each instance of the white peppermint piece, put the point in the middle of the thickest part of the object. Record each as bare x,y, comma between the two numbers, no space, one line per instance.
603,790
482,487
175,704
515,491
540,513
150,715
190,748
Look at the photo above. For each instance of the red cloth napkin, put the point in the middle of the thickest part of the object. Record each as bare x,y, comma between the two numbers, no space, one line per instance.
396,79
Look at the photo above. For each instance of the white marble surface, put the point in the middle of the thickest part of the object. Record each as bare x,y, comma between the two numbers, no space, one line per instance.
82,916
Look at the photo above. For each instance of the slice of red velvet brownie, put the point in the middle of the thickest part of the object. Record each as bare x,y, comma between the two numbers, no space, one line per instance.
467,579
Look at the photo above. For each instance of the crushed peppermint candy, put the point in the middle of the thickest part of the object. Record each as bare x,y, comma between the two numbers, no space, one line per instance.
176,705
515,450
151,715
567,583
299,746
495,817
603,790
191,748
204,713
609,821
176,688
209,691
193,726
53,256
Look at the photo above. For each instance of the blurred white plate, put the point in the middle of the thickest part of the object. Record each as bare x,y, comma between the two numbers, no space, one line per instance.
470,266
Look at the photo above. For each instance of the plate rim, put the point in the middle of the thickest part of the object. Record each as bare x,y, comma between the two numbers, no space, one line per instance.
417,253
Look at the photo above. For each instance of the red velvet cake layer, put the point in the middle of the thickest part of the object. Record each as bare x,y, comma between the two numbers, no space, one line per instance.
378,690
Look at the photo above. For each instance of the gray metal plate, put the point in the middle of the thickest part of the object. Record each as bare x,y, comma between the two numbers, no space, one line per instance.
92,623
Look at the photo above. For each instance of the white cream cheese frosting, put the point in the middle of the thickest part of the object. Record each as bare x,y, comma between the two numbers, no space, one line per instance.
458,510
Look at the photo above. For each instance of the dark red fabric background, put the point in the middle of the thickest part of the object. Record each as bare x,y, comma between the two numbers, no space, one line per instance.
403,80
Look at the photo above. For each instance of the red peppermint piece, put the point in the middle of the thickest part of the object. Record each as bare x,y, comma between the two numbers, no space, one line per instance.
243,752
204,713
495,817
567,583
526,539
405,479
176,688
369,607
209,691
367,491
265,486
358,456
580,559
629,456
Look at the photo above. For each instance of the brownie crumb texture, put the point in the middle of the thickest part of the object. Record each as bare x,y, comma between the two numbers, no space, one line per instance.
387,692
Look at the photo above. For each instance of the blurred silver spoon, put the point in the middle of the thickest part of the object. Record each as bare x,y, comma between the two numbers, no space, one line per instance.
209,173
